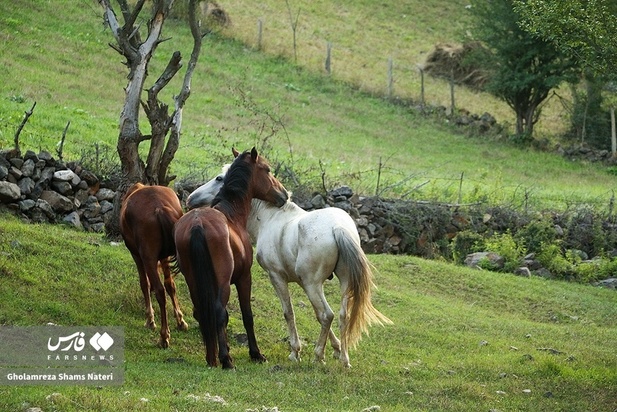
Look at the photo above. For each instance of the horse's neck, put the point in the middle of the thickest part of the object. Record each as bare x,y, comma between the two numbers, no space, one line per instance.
236,210
264,214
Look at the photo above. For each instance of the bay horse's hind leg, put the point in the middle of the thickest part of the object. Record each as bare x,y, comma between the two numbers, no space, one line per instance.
222,317
170,287
243,288
145,289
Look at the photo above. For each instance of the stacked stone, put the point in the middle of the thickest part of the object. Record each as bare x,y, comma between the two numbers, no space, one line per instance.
42,189
377,233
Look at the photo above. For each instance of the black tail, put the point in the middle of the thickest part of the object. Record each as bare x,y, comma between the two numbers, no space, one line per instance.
203,270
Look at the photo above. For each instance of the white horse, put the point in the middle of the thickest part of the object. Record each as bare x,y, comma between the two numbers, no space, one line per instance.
306,248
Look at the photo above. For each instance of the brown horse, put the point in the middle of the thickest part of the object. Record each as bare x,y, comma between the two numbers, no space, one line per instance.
214,251
147,218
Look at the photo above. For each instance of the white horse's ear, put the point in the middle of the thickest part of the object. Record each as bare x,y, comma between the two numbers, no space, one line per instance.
235,152
254,153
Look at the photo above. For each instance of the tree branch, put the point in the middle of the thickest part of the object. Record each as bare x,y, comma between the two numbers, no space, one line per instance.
176,120
60,149
28,113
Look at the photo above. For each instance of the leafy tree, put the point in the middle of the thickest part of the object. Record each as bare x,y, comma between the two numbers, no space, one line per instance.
523,67
583,28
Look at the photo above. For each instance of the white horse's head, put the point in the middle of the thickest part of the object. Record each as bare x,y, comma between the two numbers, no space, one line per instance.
205,194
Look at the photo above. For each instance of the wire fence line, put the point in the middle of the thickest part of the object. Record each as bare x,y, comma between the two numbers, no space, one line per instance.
400,80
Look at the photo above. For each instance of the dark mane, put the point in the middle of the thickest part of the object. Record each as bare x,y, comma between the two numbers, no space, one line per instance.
236,182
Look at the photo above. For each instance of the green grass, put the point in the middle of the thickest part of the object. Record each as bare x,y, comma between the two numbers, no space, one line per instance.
432,358
461,339
332,123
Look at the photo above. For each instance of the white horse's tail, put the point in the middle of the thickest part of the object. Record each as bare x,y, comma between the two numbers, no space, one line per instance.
360,310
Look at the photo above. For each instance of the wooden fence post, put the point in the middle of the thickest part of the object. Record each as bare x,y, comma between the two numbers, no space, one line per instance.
329,58
613,133
421,86
259,33
390,77
460,189
452,105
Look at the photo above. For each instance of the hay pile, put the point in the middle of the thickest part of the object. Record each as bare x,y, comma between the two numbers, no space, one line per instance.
214,15
454,61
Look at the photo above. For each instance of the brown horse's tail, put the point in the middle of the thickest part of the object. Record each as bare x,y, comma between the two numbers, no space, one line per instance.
360,310
166,226
201,262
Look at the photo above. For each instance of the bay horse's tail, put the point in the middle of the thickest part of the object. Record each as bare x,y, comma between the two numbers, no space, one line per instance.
205,282
360,310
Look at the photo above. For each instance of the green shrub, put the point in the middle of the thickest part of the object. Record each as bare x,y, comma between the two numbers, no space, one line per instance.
536,234
594,270
464,243
507,247
585,232
553,259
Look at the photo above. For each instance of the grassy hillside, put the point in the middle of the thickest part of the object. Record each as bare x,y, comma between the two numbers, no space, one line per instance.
462,340
243,97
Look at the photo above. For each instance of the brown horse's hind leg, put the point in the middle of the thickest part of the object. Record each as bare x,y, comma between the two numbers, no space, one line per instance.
145,289
159,293
170,286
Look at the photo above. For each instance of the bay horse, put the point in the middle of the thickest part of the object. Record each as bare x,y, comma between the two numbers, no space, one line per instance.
294,245
147,218
214,251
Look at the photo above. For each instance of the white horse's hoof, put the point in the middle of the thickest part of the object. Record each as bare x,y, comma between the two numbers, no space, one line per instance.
319,359
294,357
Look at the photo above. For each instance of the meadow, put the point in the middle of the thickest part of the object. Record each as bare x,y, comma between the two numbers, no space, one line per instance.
462,339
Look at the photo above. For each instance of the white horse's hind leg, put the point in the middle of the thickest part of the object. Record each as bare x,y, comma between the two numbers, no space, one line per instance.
336,344
282,291
324,315
344,357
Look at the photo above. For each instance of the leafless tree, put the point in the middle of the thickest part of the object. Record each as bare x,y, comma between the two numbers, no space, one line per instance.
165,126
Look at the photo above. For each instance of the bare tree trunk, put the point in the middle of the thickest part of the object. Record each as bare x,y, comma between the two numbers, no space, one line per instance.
138,55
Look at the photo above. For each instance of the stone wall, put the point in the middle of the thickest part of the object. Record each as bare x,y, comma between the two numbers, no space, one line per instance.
40,188
426,228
